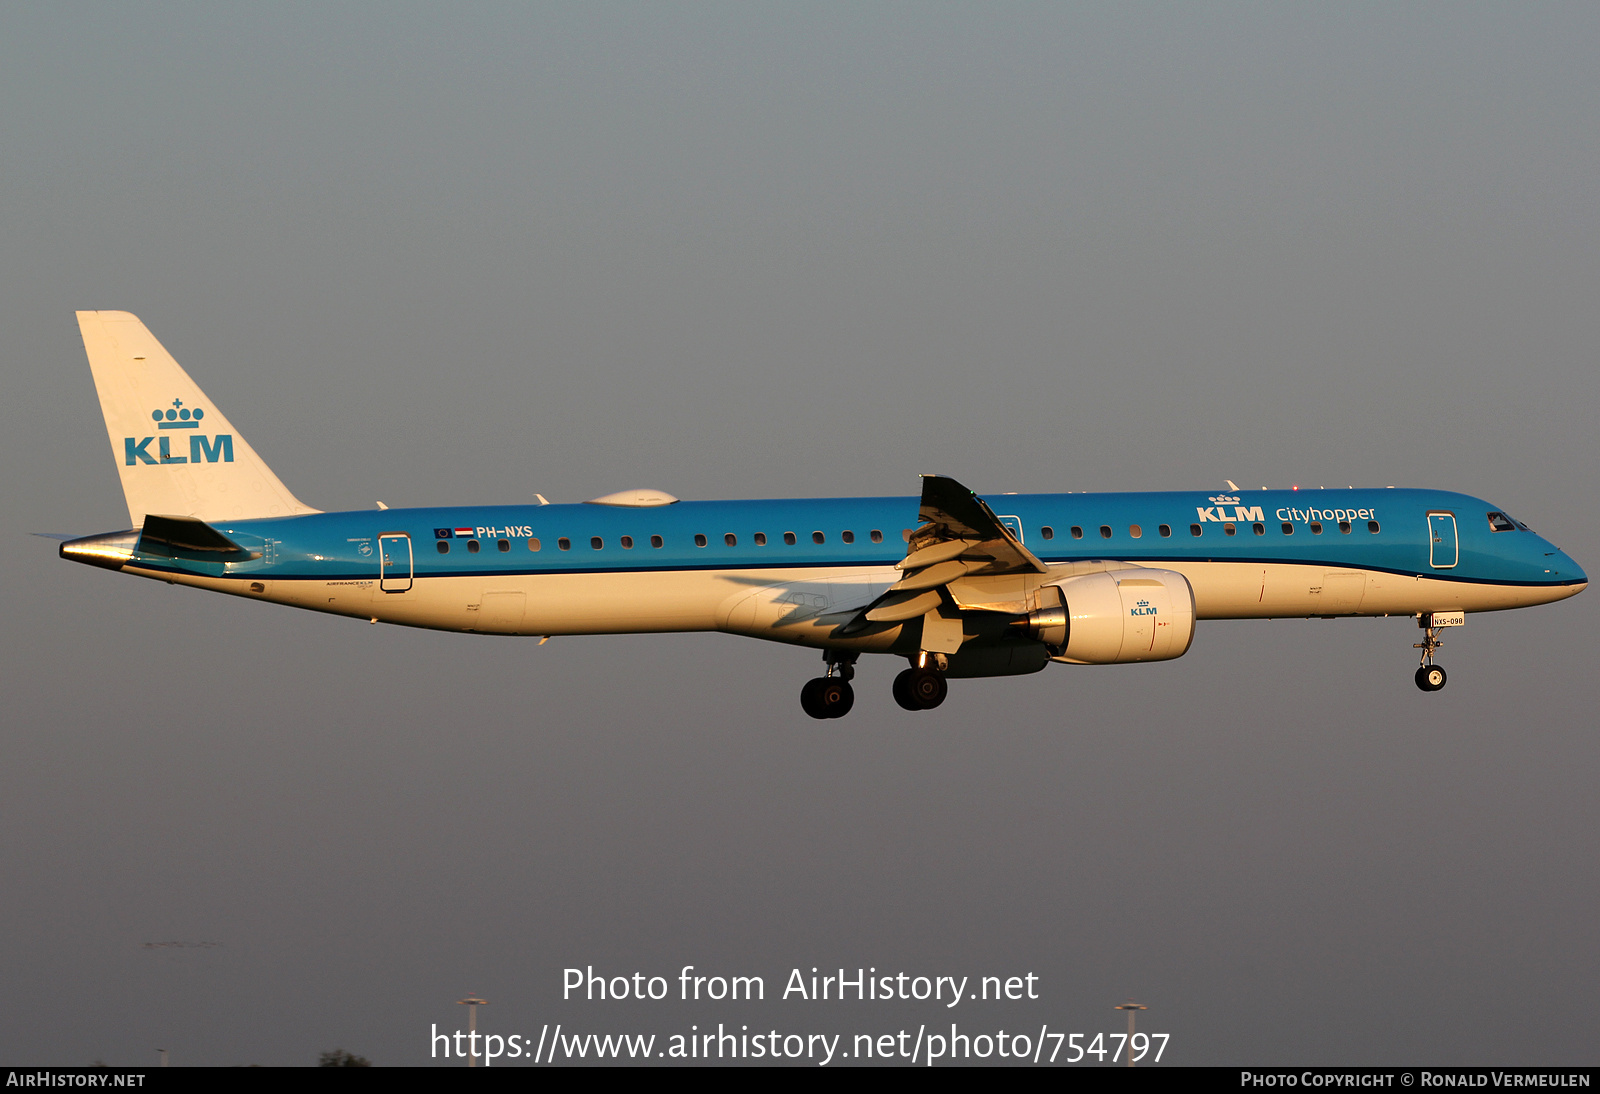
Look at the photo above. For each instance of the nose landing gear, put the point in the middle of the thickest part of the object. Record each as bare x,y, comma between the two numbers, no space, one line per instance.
1430,677
831,696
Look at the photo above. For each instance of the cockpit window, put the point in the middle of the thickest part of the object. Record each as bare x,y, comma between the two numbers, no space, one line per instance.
1502,523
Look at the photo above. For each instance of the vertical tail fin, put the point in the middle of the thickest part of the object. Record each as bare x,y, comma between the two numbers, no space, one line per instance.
176,453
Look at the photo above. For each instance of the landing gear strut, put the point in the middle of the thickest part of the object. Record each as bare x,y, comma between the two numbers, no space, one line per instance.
1430,677
831,696
921,687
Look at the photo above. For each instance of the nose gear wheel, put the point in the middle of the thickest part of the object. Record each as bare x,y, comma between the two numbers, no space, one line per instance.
1430,677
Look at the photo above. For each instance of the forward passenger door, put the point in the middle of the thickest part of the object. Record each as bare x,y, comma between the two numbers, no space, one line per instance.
1444,551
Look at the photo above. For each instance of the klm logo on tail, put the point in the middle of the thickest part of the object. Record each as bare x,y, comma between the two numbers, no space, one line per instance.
217,448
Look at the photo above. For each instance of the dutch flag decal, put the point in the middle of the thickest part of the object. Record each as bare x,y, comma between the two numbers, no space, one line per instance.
464,533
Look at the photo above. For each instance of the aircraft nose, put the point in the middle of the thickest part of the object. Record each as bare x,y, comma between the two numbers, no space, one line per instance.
1572,567
1559,566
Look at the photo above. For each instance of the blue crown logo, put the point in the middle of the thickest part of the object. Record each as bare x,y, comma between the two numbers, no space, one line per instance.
177,416
1144,603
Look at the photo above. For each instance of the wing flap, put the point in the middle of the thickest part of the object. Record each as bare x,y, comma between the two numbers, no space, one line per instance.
931,577
898,607
935,552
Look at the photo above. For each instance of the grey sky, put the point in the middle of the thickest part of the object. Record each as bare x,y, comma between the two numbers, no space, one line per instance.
449,254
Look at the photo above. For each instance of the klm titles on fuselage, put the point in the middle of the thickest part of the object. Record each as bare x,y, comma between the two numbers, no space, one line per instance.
1218,512
217,448
1245,514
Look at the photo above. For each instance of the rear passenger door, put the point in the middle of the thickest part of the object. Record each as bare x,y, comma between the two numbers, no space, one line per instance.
394,552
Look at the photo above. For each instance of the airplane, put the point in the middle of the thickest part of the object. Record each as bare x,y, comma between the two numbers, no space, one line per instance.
957,585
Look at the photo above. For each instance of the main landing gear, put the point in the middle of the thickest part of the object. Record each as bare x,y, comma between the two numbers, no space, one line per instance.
1430,677
921,687
831,696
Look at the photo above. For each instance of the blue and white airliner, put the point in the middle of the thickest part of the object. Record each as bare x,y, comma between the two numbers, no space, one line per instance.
956,585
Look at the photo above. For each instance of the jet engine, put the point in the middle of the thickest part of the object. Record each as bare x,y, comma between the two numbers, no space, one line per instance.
1115,618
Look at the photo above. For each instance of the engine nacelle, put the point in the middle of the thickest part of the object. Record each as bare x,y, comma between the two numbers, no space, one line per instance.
1115,618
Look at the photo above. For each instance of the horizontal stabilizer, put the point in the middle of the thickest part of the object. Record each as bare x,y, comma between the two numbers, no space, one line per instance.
189,537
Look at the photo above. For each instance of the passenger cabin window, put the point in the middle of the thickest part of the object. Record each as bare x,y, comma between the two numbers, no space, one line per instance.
1372,526
731,540
1135,531
1194,529
504,545
1229,528
848,536
564,543
596,542
1077,533
788,538
1288,529
656,541
1316,527
1502,523
1105,531
699,540
472,546
1344,526
533,545
1047,532
760,538
877,536
444,547
1165,530
1259,529
627,543
818,537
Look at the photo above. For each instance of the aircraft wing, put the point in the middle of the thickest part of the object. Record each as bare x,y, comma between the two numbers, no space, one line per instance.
959,537
950,513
